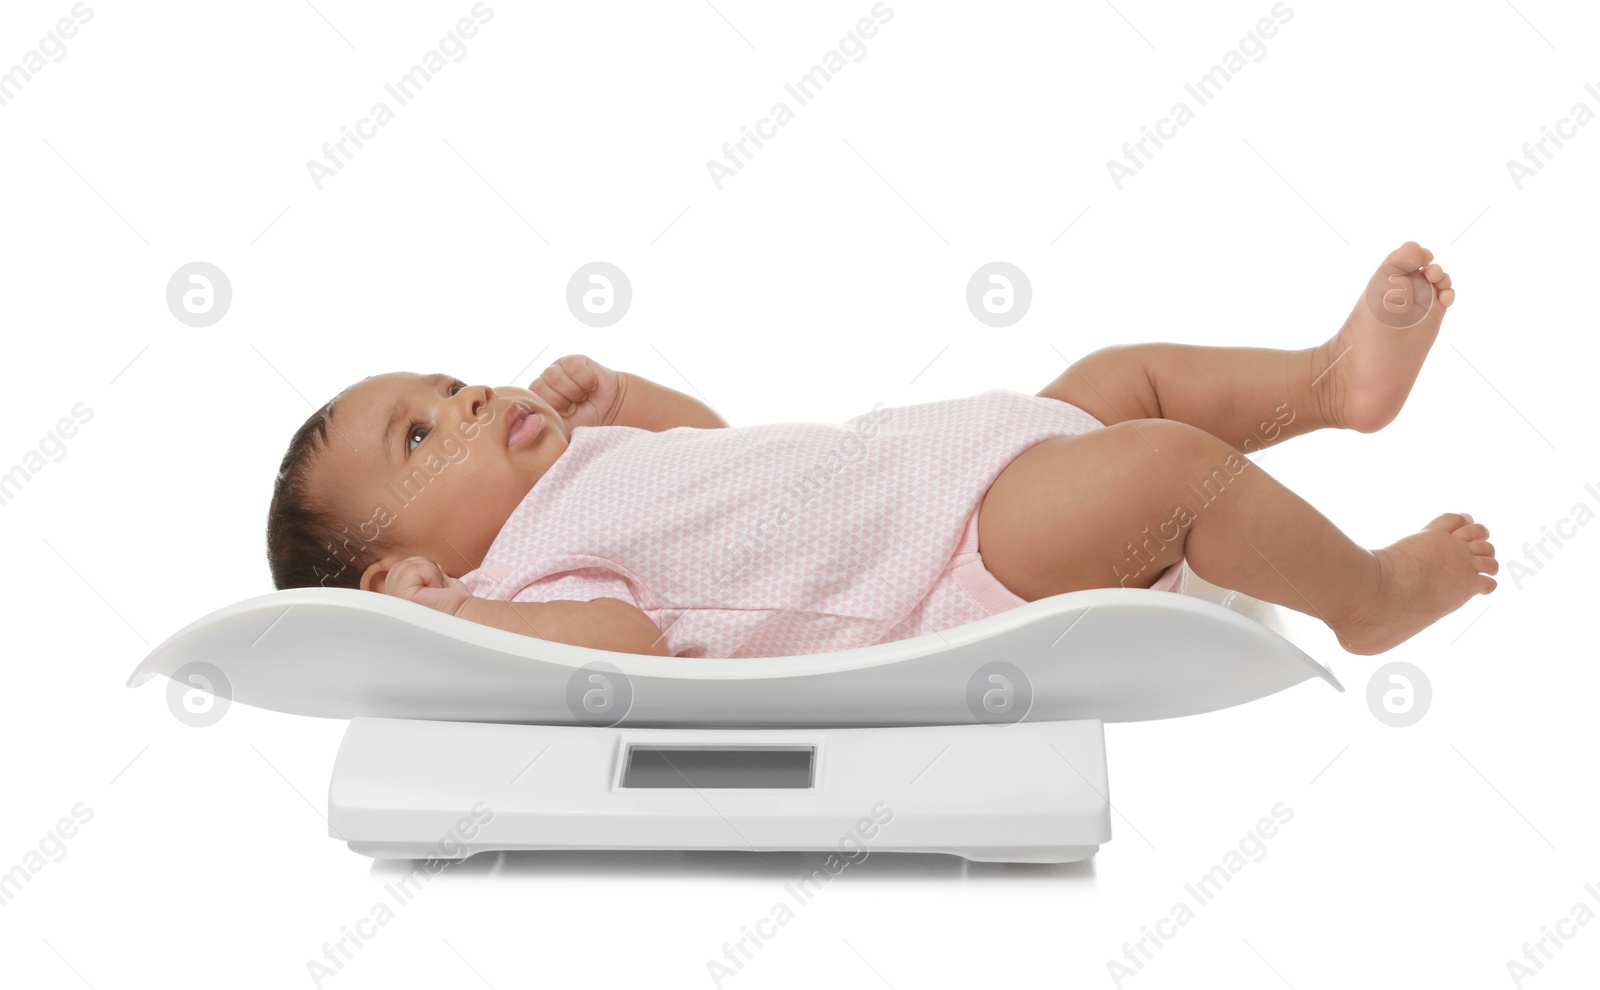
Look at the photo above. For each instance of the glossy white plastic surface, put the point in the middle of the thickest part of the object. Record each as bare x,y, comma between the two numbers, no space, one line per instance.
1029,793
1112,654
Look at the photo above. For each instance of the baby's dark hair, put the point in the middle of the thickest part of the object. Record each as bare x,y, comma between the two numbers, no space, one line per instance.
308,545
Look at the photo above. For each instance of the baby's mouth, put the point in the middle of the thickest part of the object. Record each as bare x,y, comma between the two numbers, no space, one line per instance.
522,425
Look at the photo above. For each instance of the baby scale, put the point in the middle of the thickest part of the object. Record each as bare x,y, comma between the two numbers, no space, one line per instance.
985,741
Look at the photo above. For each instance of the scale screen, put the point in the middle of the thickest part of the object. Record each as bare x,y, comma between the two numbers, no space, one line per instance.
719,766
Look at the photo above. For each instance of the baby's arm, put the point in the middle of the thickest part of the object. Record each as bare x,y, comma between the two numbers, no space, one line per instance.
654,407
601,624
585,392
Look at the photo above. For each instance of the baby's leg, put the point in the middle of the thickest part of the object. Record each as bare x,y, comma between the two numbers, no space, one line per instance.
1114,507
1253,397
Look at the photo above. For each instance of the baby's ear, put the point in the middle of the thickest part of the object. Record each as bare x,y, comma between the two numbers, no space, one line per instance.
374,577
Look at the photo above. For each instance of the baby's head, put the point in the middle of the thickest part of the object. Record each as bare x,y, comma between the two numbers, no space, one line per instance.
399,465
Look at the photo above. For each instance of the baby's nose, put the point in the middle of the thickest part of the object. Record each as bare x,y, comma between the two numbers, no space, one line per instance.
475,406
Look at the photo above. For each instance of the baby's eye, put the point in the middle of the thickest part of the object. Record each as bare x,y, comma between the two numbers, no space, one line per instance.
415,429
423,427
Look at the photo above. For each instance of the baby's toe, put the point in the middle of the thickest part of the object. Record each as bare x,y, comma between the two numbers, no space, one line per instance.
1446,297
1409,256
1473,531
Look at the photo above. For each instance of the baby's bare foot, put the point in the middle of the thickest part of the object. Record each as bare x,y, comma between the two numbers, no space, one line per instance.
1424,577
1369,366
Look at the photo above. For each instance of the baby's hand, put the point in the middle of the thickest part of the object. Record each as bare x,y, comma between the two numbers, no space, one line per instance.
581,390
420,580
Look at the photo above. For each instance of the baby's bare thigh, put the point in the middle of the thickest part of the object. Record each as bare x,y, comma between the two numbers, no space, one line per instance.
1062,515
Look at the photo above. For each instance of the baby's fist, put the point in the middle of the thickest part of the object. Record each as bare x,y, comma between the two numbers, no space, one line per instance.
581,390
420,580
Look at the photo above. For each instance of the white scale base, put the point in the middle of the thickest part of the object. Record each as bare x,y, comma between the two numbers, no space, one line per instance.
1030,792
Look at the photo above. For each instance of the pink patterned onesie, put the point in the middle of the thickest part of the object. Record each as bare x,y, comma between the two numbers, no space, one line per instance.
779,539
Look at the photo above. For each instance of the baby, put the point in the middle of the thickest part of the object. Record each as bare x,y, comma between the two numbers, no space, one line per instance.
601,509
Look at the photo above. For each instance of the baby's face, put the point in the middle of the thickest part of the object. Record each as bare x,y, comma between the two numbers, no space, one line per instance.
426,460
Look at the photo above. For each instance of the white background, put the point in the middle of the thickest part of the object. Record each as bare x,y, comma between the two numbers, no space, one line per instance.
827,276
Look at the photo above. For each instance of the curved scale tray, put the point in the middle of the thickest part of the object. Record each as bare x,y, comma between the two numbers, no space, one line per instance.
1114,654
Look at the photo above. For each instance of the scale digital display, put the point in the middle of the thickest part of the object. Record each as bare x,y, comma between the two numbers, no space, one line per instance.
714,767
